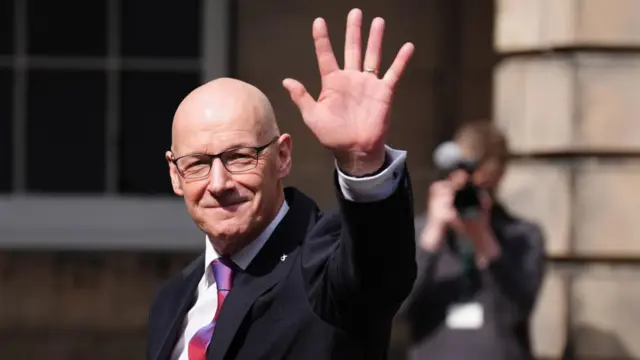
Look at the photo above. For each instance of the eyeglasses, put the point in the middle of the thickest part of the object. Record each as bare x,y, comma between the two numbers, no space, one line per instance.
236,160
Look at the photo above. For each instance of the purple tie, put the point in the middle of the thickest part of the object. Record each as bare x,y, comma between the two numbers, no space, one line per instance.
223,274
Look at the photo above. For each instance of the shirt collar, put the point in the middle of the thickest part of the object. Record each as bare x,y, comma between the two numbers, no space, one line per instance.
244,257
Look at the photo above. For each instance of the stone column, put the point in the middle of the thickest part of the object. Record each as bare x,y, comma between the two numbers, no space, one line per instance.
567,94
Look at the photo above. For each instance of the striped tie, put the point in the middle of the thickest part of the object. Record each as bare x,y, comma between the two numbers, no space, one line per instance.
223,274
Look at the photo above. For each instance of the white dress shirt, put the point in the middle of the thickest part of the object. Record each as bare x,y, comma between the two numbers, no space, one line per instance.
366,189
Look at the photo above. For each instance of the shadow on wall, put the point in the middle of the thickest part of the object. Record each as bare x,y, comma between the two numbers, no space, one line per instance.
595,344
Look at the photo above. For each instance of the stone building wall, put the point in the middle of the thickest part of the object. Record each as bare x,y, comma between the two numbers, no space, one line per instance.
79,305
566,92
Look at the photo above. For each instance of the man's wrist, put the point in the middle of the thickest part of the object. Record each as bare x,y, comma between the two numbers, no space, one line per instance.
431,237
360,164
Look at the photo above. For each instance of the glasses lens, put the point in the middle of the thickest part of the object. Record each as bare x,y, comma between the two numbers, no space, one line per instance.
194,166
239,160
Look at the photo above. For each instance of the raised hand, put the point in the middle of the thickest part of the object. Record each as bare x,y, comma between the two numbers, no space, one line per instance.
351,115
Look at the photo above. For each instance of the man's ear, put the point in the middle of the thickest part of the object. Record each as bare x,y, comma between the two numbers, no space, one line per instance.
284,145
173,175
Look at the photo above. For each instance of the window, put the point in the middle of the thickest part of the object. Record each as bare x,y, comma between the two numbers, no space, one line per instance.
145,129
65,132
6,27
6,130
67,28
87,95
161,35
96,92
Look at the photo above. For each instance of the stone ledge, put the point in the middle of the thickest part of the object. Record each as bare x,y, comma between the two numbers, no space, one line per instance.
525,25
586,207
541,192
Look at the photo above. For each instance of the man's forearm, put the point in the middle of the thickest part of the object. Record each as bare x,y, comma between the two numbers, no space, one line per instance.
378,237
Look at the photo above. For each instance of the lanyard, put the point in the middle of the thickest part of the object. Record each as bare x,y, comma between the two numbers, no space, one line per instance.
469,268
468,256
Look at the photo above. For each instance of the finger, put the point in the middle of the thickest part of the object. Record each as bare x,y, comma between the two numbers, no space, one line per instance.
324,52
352,42
443,201
435,187
444,193
438,191
299,95
374,45
440,184
399,64
443,186
458,178
446,204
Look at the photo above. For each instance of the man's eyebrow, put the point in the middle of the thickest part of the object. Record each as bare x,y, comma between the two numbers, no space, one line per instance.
241,144
231,147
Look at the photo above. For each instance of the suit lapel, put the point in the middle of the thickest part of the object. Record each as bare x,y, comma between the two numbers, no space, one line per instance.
183,297
264,272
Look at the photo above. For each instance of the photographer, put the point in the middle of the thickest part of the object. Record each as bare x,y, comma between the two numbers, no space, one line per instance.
479,267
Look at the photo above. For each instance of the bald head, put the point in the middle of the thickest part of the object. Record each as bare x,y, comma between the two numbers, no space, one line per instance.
232,197
222,110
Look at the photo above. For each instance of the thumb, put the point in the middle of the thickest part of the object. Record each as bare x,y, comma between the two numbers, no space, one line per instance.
299,95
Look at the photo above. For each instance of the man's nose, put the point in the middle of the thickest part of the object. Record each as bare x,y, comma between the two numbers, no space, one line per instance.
219,178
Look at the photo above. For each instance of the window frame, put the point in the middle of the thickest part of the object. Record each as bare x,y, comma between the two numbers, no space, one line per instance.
106,221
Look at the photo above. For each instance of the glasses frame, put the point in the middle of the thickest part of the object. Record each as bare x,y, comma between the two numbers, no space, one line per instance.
212,157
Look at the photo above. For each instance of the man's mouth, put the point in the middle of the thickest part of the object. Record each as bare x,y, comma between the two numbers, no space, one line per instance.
230,204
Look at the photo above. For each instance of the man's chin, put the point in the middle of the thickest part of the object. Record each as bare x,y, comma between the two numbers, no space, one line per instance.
227,240
225,229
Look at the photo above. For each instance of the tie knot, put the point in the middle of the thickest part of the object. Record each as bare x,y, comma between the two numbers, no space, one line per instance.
223,271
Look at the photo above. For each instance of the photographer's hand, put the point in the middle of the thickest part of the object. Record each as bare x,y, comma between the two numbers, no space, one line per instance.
478,230
441,213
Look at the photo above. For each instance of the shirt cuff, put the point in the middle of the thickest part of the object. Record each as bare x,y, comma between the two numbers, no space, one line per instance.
377,187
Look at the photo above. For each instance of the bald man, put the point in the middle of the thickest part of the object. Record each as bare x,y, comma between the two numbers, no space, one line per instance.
279,279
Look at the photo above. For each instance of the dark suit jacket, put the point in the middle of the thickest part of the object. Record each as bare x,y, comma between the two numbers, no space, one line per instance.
333,297
507,291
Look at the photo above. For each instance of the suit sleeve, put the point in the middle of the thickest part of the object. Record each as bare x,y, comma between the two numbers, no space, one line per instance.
372,269
376,187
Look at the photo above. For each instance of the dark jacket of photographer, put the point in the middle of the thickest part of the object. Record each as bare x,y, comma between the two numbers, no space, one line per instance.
505,292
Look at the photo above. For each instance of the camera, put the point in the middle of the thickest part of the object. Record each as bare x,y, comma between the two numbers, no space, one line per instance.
448,157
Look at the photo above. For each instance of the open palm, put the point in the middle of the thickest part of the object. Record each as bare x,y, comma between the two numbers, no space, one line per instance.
351,114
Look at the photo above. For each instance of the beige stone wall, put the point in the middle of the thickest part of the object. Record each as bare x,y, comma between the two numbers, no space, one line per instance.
566,94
